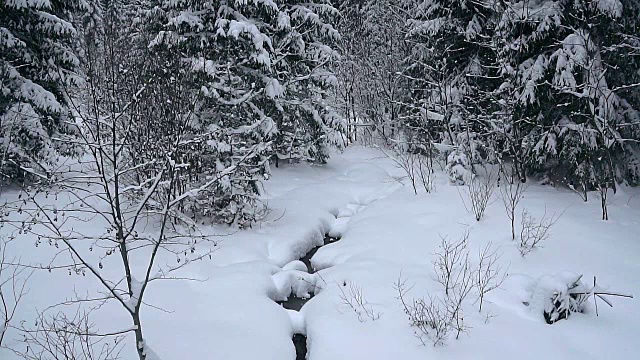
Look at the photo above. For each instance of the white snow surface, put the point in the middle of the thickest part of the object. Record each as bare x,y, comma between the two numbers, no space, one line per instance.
385,231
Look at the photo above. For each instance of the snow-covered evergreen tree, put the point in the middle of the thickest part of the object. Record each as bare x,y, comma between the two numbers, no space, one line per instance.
260,72
36,62
572,85
299,81
451,72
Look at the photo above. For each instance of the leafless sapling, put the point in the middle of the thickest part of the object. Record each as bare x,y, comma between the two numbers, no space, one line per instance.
13,286
534,231
131,185
428,316
479,190
512,192
489,273
59,336
354,298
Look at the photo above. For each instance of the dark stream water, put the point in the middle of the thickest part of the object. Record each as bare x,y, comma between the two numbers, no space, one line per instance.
296,303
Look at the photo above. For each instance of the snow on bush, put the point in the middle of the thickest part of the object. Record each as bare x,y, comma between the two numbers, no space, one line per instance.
459,168
557,297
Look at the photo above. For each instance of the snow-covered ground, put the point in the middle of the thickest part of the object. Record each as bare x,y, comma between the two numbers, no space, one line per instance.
386,232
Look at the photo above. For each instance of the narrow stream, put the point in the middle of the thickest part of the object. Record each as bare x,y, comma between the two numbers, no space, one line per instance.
300,342
296,303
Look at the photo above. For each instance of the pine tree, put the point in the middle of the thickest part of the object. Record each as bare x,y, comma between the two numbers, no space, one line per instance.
36,63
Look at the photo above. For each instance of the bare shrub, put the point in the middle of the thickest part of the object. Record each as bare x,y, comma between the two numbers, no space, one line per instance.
489,275
455,273
13,287
407,162
603,191
479,190
425,171
462,285
68,338
534,231
417,167
429,317
450,260
511,194
436,318
354,299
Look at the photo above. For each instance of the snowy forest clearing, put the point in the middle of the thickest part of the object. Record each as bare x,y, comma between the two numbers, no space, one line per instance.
327,179
228,309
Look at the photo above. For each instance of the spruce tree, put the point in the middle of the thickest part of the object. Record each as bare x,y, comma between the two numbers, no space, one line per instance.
452,71
570,68
259,70
300,81
37,62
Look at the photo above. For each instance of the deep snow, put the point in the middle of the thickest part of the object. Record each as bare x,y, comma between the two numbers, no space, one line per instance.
385,230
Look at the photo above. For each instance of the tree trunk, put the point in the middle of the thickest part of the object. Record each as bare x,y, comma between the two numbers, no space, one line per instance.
139,339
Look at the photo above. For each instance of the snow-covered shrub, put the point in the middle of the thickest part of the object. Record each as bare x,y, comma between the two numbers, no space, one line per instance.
459,168
567,299
557,297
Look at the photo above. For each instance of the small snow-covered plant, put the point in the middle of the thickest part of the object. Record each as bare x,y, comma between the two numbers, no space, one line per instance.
534,231
354,298
479,190
511,194
566,299
489,274
459,168
567,294
429,317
